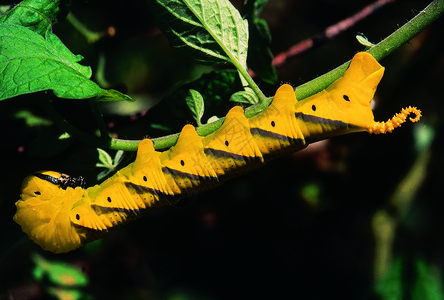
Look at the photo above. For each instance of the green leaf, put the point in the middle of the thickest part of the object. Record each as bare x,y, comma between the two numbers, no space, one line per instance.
196,105
362,39
260,58
113,95
37,16
211,30
64,136
118,157
213,119
248,97
108,163
105,159
30,63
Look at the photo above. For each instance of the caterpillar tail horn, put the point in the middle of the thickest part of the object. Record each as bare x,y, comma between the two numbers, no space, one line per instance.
396,121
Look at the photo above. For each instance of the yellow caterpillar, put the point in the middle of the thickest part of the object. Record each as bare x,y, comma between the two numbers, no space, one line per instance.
60,215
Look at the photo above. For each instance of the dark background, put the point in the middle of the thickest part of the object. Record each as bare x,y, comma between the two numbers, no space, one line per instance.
301,227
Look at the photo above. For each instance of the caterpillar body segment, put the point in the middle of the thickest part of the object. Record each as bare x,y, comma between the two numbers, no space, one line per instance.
232,150
277,131
60,215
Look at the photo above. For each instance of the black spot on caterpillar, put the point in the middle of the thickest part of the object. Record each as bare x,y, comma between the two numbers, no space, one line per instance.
59,214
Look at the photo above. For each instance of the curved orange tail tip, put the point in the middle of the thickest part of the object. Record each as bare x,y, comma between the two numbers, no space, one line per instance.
396,121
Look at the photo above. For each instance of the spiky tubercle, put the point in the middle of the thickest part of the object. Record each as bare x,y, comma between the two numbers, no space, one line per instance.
396,121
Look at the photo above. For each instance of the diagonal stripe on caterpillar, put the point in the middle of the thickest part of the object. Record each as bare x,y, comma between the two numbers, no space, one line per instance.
60,215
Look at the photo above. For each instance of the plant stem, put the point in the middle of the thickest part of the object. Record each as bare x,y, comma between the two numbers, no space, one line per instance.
401,36
251,83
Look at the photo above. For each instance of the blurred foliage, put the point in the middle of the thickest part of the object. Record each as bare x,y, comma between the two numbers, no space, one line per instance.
60,280
410,278
319,223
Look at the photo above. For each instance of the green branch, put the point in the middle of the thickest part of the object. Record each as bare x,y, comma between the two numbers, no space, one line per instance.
401,36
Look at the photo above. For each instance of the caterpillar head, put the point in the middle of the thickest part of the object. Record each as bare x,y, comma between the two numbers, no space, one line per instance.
43,211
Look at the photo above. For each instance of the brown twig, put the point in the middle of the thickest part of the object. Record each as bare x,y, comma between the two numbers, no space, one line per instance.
329,33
